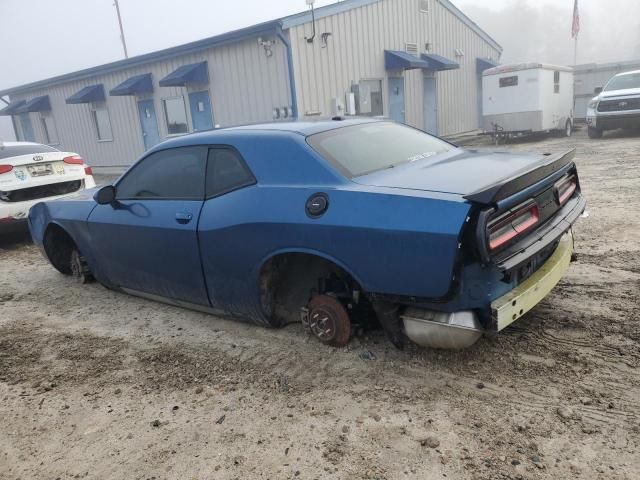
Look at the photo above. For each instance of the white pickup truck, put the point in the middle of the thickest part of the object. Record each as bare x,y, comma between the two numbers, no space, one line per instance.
617,105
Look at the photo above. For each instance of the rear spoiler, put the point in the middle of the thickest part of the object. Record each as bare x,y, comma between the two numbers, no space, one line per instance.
505,188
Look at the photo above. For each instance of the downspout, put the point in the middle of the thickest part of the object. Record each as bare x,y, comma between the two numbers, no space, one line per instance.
292,79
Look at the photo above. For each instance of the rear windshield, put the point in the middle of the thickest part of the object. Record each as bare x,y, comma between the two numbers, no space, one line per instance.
17,150
362,149
631,80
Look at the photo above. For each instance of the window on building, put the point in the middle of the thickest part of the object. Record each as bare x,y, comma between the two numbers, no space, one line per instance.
424,6
556,82
49,129
509,81
175,115
369,98
101,122
226,171
25,132
176,173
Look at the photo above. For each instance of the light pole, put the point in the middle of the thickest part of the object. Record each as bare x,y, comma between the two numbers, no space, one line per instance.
124,42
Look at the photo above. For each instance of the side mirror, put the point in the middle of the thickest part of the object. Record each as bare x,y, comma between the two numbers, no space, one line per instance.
597,90
106,195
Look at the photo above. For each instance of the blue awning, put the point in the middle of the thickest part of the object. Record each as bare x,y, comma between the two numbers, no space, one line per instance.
182,76
12,107
134,85
483,64
438,62
399,60
38,104
94,93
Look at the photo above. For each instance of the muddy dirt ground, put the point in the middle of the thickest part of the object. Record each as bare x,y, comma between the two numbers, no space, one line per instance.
95,384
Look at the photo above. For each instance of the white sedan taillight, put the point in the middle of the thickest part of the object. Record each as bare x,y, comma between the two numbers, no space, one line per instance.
78,160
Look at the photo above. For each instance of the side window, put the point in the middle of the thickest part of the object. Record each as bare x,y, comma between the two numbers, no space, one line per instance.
556,82
226,171
101,122
509,81
176,173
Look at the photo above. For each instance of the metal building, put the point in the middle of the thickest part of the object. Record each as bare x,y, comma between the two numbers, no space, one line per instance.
589,76
416,61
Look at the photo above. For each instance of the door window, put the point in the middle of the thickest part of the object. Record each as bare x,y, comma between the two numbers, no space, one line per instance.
226,171
176,174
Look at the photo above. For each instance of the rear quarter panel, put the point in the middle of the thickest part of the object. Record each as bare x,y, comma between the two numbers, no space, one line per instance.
392,241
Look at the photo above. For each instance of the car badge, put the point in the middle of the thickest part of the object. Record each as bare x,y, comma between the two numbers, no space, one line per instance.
38,158
623,104
20,175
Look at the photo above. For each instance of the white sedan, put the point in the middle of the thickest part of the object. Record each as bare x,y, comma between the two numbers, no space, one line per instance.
31,172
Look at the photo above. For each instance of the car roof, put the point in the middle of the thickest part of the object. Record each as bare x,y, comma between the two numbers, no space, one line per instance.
304,128
632,72
17,144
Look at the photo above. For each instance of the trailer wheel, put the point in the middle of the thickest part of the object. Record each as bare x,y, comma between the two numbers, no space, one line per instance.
594,132
568,129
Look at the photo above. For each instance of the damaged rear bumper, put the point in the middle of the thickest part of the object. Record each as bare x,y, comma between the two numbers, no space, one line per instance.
510,307
462,329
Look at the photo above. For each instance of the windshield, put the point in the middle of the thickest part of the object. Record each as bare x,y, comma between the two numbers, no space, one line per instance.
17,150
362,149
631,80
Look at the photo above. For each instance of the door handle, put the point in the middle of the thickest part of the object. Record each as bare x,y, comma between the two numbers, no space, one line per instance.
183,217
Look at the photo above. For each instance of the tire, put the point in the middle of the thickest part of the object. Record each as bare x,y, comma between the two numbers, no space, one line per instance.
329,321
568,129
594,133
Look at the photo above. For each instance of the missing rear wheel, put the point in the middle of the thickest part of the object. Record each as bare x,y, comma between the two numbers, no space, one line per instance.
327,319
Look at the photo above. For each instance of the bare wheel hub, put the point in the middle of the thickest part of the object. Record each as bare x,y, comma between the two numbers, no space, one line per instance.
322,323
327,319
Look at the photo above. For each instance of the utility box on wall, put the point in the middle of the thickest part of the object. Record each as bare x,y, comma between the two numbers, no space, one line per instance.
337,107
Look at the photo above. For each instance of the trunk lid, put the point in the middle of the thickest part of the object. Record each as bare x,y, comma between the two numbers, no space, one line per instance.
39,169
481,177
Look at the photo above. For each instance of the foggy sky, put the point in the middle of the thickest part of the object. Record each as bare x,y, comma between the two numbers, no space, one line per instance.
43,38
540,31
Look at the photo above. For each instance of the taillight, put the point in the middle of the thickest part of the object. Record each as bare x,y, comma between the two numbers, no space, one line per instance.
5,168
73,160
565,188
88,171
505,228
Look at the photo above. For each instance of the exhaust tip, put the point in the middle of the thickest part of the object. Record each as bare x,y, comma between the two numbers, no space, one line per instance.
446,331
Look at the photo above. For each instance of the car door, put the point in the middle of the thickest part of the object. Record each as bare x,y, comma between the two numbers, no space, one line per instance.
147,240
226,233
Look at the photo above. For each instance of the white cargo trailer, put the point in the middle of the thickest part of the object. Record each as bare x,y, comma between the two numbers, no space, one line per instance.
527,98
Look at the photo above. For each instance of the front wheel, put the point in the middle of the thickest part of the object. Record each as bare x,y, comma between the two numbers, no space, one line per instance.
79,268
594,132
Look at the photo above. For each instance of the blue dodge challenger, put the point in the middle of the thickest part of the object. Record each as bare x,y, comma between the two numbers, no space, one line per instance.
338,224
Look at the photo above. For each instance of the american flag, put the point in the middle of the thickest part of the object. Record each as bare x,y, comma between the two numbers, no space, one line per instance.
575,27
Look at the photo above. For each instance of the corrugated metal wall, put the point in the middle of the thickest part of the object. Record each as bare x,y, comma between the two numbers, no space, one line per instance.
588,77
355,51
244,84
